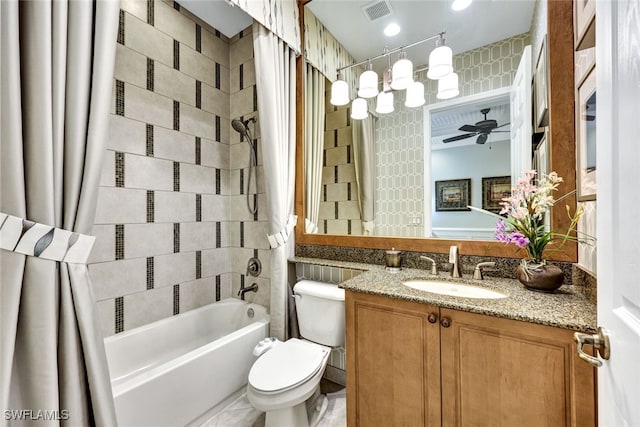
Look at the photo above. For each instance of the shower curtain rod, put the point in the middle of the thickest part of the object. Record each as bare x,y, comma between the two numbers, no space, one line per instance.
387,53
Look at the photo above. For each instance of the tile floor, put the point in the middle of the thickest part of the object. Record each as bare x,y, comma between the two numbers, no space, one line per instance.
241,414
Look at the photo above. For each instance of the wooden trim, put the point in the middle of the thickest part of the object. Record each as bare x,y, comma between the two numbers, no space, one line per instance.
300,164
561,157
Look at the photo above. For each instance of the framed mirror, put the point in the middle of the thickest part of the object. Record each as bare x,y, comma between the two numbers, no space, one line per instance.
561,159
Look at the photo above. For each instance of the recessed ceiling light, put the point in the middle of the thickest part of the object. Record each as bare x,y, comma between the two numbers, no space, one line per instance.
392,29
460,4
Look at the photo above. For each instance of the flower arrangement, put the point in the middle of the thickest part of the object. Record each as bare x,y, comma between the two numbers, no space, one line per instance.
521,220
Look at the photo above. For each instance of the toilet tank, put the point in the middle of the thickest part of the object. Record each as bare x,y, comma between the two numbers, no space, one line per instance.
320,308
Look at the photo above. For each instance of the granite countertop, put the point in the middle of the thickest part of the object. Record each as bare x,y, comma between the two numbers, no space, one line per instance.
566,308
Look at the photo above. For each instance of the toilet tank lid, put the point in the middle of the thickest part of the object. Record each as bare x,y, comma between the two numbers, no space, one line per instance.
319,289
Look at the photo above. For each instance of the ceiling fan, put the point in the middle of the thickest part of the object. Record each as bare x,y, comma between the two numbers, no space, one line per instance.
483,128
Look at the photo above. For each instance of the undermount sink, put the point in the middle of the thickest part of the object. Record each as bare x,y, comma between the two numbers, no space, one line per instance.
453,289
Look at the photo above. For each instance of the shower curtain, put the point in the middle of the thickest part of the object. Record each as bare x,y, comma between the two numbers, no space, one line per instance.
363,133
314,145
57,78
276,86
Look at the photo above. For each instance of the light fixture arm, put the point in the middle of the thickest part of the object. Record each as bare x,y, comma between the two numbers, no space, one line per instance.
388,52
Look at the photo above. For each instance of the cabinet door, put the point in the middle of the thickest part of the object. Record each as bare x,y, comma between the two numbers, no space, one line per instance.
393,362
499,372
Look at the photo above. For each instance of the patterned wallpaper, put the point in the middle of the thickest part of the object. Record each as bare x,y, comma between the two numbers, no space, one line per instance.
172,228
279,16
399,135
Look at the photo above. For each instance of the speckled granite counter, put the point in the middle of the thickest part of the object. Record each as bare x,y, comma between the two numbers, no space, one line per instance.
567,308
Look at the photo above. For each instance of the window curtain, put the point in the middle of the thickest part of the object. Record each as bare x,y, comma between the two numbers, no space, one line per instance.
57,78
363,132
276,87
314,144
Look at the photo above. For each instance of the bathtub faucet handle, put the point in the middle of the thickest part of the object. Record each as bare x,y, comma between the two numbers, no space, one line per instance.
254,267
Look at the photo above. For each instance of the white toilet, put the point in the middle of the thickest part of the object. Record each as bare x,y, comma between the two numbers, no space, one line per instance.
286,376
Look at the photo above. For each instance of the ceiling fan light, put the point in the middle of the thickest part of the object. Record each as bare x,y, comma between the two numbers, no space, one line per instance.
359,109
368,84
440,62
415,95
402,73
339,93
448,87
384,103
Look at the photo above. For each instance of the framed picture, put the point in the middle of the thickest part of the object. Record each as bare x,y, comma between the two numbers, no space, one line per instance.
586,138
494,189
540,89
453,195
584,23
541,156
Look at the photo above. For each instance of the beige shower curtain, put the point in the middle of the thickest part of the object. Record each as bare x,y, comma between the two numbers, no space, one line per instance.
363,133
57,77
314,145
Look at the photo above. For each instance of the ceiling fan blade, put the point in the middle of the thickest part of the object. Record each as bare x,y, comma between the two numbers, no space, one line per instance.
468,128
500,131
504,124
482,139
459,137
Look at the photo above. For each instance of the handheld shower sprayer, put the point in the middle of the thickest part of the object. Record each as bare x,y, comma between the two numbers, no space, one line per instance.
242,127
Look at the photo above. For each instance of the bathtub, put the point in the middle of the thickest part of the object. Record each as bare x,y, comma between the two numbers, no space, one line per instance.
171,372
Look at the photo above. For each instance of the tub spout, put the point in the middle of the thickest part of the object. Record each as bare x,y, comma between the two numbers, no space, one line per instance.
252,288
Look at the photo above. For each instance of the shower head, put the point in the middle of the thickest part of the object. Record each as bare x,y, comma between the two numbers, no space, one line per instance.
239,126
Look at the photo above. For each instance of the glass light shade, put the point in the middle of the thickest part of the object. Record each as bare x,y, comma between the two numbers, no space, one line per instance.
402,74
460,4
448,87
440,62
384,103
368,84
359,109
339,93
415,95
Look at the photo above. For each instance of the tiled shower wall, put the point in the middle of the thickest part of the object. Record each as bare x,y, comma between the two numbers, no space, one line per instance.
399,135
165,238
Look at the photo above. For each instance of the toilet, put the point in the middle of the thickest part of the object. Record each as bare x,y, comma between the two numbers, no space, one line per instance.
286,378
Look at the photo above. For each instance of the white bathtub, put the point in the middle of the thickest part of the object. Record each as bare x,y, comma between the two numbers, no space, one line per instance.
171,372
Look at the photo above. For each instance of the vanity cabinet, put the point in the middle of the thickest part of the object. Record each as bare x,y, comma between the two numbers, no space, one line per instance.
413,364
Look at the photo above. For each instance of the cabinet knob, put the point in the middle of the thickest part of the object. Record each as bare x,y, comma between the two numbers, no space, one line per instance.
445,322
432,318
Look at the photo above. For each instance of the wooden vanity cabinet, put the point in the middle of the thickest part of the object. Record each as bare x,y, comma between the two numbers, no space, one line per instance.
411,364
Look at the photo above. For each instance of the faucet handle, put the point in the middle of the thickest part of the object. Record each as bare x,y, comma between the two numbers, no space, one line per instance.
477,273
434,267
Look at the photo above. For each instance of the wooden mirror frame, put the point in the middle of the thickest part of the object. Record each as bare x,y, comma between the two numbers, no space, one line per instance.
562,159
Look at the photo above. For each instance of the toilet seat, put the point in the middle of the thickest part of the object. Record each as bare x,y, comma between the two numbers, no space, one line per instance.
286,366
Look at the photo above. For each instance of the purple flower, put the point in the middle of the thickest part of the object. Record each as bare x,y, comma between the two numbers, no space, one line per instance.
520,239
501,234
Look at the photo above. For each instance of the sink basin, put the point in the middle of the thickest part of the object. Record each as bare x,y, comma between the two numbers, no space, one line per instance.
453,289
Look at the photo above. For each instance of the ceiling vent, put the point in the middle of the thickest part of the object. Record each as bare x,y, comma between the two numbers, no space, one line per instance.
377,10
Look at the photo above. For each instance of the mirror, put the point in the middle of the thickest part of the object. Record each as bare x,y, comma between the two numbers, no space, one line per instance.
475,76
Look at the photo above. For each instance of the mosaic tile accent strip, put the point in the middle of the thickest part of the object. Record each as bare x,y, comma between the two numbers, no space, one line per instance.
198,38
149,150
198,264
176,54
337,215
198,207
335,174
242,286
218,181
241,76
150,12
217,76
176,237
255,203
198,94
324,193
176,299
255,253
255,98
241,181
119,315
150,74
119,176
176,115
348,151
176,6
150,273
176,176
241,234
119,241
150,206
218,34
349,231
119,97
218,130
121,27
217,287
218,234
198,150
348,191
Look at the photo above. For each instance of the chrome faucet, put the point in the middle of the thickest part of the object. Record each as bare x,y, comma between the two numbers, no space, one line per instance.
254,267
434,267
477,273
252,288
454,258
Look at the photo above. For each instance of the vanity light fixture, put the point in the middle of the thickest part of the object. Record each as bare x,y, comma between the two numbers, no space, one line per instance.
400,77
448,87
458,5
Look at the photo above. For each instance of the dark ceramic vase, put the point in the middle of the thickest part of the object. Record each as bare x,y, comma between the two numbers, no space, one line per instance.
546,278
